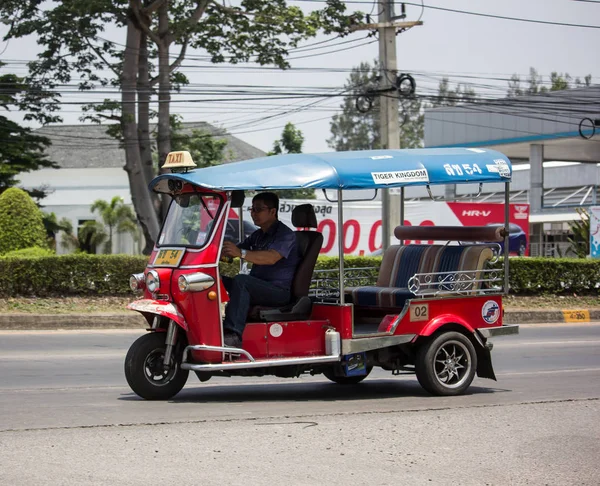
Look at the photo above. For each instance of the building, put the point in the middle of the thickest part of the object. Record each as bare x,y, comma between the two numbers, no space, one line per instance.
553,140
91,168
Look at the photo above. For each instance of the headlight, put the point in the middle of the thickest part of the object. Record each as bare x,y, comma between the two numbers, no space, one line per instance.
152,281
195,282
136,282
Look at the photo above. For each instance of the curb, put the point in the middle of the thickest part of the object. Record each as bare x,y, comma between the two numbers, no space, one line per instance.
133,320
570,316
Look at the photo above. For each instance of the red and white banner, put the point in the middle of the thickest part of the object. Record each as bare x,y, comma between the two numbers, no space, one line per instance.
362,220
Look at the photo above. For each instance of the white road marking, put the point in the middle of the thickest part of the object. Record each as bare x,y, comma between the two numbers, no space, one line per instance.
550,372
575,342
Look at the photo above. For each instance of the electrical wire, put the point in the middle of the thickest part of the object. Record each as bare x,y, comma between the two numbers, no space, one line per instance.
502,17
478,14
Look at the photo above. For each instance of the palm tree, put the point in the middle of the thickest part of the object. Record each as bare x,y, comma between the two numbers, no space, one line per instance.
580,243
117,218
91,235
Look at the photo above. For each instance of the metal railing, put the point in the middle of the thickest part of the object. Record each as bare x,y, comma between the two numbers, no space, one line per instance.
456,283
325,283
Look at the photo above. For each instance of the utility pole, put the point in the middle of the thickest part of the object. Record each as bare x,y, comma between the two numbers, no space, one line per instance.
389,126
388,26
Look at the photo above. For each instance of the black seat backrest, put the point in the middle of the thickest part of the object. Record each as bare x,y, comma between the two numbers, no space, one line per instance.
309,245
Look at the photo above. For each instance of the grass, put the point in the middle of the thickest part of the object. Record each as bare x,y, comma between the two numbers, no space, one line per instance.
116,305
549,302
65,305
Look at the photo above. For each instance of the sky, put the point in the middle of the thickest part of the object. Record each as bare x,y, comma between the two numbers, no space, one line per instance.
476,50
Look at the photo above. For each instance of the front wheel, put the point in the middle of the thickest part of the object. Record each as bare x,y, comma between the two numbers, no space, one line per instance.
346,380
145,371
446,365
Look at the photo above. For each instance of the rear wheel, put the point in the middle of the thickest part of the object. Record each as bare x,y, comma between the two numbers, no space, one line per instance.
145,371
446,364
346,380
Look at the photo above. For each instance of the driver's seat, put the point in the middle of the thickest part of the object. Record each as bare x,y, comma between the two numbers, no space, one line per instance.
309,245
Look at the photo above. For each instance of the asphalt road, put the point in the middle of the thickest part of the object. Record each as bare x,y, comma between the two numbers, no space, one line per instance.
68,417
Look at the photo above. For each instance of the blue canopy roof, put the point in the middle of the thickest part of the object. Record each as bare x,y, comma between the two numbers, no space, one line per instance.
366,169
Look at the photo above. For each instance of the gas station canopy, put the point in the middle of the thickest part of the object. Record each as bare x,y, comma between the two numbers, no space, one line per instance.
566,123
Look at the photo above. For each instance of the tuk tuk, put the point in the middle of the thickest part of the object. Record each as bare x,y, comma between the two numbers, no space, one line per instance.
431,310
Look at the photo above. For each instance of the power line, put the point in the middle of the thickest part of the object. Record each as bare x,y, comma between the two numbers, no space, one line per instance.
478,14
502,17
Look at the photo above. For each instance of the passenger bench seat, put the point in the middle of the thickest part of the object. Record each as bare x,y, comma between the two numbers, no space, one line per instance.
400,263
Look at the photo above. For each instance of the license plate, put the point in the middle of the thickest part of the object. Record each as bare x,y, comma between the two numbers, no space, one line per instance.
168,257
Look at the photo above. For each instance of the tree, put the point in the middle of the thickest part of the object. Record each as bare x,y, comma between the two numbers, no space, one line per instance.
91,235
53,226
71,35
558,81
291,142
116,218
451,97
580,242
21,223
20,150
205,149
353,130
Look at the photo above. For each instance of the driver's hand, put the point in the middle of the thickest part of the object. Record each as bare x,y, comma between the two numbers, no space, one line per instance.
230,249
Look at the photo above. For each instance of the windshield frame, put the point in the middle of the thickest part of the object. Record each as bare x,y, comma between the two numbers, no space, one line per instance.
209,235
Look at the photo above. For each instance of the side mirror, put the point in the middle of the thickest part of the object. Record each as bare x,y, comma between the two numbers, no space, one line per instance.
237,199
183,200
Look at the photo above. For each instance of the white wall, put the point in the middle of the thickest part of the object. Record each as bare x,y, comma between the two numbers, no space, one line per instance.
71,192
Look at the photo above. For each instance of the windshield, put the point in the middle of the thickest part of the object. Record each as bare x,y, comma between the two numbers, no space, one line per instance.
190,220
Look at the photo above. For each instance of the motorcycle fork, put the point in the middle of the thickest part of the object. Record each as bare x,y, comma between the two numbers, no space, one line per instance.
170,342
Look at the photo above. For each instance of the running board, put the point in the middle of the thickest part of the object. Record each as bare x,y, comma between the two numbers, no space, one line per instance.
251,363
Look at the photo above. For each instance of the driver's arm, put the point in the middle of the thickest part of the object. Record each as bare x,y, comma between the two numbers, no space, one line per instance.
260,257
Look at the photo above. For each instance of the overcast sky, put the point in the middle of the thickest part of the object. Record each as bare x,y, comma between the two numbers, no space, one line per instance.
484,51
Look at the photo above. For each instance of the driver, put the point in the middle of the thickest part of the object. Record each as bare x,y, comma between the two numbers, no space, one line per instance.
274,256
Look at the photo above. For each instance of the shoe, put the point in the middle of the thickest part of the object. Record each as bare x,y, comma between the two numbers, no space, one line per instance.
232,339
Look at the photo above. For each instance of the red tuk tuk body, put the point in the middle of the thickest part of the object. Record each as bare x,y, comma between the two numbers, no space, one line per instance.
432,317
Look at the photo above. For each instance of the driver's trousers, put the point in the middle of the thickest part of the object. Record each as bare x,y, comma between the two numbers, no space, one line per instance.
246,291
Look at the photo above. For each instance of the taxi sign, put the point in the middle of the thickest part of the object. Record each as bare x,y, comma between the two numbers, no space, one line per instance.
179,160
168,257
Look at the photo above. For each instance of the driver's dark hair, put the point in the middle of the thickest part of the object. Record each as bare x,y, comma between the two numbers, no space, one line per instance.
270,199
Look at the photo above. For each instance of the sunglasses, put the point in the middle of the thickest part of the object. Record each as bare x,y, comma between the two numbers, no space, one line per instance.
258,209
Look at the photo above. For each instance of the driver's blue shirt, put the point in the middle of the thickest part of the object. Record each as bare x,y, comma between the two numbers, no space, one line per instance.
281,239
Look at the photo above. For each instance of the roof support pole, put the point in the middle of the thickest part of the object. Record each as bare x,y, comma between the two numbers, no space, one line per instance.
340,226
402,210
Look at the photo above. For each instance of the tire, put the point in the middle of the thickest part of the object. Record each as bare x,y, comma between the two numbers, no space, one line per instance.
346,380
144,368
446,364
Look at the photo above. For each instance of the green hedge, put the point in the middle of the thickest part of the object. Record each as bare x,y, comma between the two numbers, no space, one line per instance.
531,276
81,274
64,275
